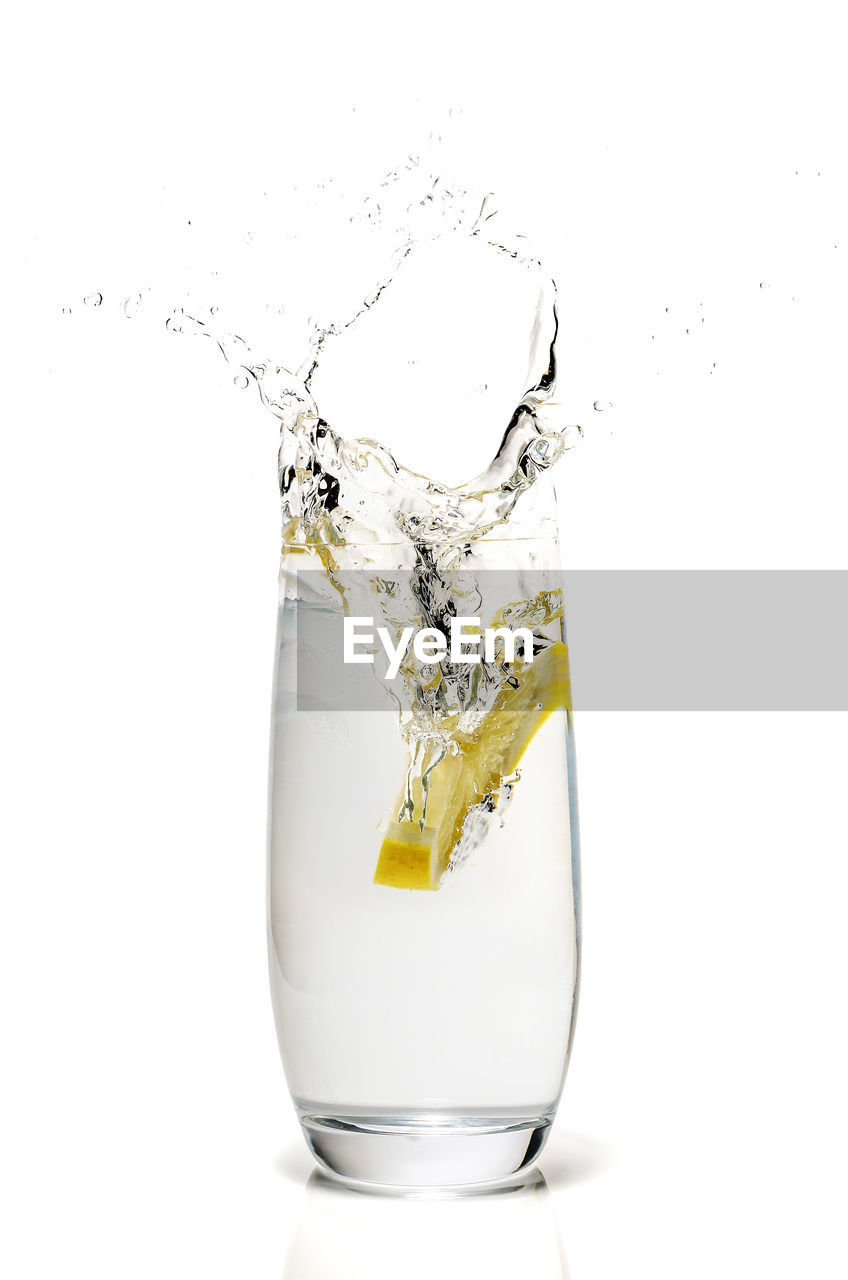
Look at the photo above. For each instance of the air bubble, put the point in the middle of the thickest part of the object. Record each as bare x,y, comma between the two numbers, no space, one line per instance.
763,284
601,406
93,299
130,305
241,381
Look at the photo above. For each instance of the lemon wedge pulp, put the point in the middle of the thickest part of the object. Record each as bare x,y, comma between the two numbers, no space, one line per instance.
412,857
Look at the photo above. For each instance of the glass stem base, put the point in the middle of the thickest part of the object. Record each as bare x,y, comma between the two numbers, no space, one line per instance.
419,1152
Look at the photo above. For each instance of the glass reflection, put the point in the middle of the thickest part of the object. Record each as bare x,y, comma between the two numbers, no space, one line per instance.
502,1234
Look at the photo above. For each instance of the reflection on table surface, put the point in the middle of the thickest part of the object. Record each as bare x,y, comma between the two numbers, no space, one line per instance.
351,1235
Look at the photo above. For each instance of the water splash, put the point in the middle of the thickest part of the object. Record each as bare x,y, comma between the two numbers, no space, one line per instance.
337,489
343,491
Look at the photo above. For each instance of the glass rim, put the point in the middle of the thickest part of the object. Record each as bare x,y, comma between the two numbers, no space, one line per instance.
355,543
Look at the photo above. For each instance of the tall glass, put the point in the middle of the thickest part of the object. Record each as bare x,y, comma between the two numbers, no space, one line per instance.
424,1003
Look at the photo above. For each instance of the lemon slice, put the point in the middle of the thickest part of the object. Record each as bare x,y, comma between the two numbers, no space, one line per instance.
412,857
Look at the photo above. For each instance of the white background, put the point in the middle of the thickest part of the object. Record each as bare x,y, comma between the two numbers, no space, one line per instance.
666,156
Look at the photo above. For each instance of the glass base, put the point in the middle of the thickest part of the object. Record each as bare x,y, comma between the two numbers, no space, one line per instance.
415,1152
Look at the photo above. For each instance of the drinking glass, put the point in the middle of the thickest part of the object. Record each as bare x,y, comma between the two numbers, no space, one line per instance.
424,1008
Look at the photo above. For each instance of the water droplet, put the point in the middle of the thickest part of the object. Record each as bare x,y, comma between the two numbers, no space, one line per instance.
213,311
241,381
572,435
601,406
66,311
131,305
763,284
93,299
483,386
